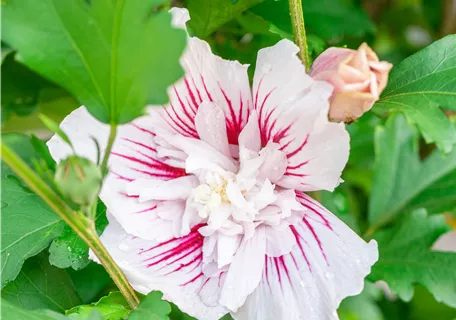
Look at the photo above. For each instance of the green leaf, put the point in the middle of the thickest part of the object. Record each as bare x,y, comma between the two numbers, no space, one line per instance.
20,88
422,84
328,19
207,16
42,286
28,224
12,312
113,56
110,307
406,258
69,250
177,314
363,306
91,282
402,182
152,307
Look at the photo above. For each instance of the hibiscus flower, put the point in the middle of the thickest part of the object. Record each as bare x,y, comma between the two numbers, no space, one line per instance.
206,195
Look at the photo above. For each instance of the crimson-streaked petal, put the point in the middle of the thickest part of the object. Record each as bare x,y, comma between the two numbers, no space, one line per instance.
328,263
173,267
208,78
293,112
210,124
134,156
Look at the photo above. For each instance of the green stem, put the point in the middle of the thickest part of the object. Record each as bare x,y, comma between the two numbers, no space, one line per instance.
84,228
299,30
111,139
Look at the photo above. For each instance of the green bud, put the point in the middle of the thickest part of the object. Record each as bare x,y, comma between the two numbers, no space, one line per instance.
79,179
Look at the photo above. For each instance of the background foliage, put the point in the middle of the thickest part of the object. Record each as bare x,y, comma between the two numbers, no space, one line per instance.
400,182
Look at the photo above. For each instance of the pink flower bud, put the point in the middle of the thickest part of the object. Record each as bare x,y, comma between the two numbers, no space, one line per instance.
358,78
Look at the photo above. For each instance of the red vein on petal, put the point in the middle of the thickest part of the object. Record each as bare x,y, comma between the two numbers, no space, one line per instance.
205,88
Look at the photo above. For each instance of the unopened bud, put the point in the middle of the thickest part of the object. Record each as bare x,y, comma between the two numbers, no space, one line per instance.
79,179
358,78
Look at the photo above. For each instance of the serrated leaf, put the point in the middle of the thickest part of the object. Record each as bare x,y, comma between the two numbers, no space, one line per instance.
406,258
110,307
403,182
28,224
207,16
422,84
42,286
12,312
152,307
69,250
113,56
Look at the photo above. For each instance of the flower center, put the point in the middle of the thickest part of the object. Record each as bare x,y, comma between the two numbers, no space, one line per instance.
211,194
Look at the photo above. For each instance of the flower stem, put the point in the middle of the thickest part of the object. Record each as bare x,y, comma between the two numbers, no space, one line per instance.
84,228
299,30
111,139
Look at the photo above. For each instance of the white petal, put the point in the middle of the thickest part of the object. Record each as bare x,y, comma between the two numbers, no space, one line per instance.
446,242
179,188
79,126
328,264
275,162
211,127
279,242
173,267
250,135
208,78
195,148
293,112
245,271
180,16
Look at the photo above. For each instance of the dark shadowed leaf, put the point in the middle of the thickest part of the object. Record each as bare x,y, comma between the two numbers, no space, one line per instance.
42,286
207,16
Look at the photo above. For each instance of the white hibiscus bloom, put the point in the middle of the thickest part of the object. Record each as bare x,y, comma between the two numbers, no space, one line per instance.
206,198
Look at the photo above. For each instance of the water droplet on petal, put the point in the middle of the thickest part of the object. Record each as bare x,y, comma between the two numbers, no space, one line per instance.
123,247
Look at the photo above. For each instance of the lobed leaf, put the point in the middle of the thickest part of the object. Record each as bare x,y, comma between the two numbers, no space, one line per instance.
152,307
111,307
406,258
402,182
